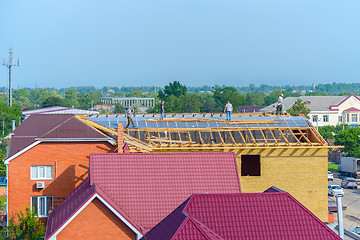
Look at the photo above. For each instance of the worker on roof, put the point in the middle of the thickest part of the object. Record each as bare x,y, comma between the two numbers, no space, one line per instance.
280,105
228,108
129,119
162,110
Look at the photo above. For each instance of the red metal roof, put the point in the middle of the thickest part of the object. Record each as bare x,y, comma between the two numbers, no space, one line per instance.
148,186
270,215
145,187
49,126
74,202
352,109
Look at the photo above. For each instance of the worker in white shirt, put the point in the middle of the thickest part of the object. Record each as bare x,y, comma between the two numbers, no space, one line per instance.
280,105
129,119
228,108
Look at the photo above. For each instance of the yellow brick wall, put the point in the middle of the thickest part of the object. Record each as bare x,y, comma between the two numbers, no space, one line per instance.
302,172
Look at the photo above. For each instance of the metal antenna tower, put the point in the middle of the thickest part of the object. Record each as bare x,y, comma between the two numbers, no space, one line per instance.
9,64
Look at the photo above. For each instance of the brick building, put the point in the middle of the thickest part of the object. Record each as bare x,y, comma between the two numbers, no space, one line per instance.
48,159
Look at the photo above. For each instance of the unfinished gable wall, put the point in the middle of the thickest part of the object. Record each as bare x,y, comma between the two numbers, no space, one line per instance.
96,221
302,172
72,164
298,171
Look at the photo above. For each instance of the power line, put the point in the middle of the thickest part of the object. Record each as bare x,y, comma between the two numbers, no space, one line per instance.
9,65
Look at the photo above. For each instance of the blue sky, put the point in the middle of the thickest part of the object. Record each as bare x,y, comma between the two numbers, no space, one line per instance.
140,42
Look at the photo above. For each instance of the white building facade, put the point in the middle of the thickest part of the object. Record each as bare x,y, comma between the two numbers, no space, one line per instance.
328,110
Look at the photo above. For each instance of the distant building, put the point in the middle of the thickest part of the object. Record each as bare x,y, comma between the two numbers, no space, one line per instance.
327,110
58,110
249,109
108,103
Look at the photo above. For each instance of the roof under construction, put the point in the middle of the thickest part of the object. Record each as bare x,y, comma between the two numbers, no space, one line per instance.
211,131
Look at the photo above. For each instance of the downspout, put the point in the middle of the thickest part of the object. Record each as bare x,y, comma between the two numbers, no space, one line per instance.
7,195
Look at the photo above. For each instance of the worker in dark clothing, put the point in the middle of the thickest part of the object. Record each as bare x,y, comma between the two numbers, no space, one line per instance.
129,119
162,110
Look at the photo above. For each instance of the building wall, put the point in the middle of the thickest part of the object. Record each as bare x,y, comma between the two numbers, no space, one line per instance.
96,221
72,164
302,172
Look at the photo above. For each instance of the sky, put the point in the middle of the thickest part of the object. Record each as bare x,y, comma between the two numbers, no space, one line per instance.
119,43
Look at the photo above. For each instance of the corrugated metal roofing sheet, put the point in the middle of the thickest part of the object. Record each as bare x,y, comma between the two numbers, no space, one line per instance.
148,186
275,215
58,110
50,126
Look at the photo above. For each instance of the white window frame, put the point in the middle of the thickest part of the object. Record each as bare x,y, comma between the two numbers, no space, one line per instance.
39,200
315,118
325,118
38,168
340,119
354,116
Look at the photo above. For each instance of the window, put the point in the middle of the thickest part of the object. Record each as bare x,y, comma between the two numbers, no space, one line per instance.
250,165
326,118
340,119
347,117
42,205
41,172
315,118
354,117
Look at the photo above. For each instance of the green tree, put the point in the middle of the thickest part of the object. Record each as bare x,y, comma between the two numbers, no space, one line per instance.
350,139
53,101
119,108
299,107
28,227
174,88
71,98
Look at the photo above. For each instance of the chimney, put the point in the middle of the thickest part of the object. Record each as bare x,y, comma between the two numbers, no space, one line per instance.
120,140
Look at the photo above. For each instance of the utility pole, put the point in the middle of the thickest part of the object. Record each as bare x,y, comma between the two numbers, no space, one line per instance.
9,64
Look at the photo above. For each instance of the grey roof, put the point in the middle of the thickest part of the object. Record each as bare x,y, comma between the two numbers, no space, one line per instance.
316,103
59,110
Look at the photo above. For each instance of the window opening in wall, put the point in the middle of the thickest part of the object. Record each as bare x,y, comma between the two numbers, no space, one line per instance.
42,205
41,172
250,165
315,118
340,119
326,118
354,117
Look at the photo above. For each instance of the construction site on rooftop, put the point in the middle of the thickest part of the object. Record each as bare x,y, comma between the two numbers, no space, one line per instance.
283,151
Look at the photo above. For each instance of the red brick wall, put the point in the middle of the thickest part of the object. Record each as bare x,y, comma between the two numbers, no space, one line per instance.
96,221
72,169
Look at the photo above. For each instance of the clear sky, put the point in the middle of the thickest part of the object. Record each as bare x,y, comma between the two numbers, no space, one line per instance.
197,42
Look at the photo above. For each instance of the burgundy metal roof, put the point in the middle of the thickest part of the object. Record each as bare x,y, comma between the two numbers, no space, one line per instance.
271,215
74,202
33,127
70,205
49,126
73,128
148,186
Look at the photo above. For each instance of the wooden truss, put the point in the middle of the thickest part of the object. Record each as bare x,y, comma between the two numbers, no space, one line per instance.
256,134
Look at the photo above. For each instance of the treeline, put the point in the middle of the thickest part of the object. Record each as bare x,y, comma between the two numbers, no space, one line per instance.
325,89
